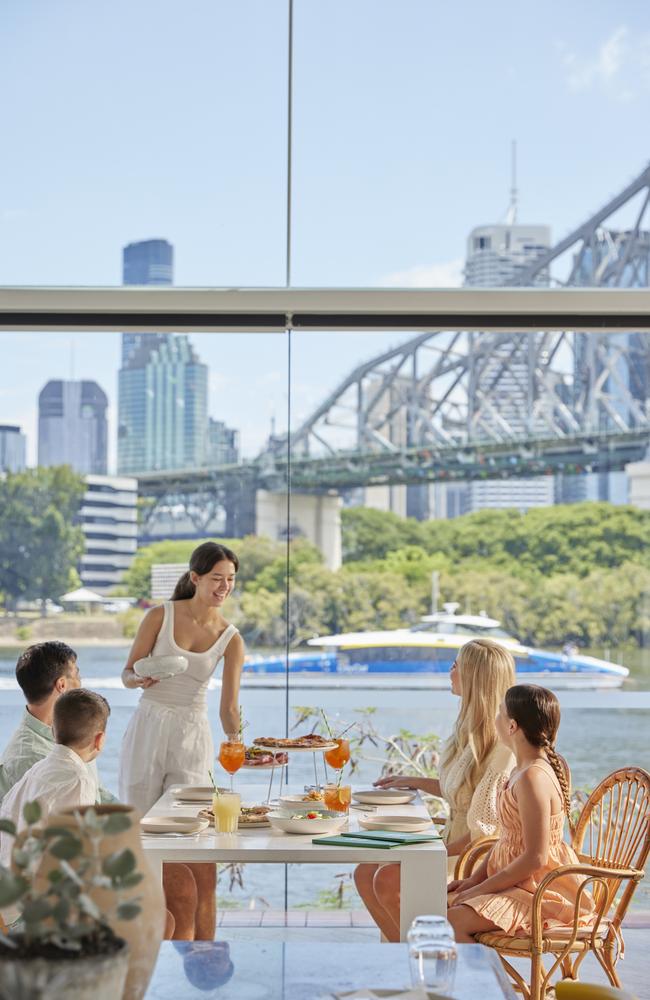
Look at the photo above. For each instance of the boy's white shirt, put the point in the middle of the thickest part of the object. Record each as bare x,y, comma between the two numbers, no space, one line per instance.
61,780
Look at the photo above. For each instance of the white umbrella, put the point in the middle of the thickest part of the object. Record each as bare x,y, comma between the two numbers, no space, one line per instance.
82,596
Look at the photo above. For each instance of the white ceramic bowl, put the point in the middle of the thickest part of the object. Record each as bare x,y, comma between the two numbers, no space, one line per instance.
384,796
160,667
295,804
330,824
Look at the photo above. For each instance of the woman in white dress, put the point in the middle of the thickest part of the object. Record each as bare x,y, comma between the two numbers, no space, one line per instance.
168,740
473,767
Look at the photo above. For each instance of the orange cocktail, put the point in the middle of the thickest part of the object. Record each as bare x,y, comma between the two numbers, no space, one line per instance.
337,797
232,754
339,756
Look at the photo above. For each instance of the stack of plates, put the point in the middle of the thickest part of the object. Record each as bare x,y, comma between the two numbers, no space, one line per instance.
396,823
195,793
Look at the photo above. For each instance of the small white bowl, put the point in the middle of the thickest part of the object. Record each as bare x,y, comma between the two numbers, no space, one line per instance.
160,667
286,824
295,804
195,793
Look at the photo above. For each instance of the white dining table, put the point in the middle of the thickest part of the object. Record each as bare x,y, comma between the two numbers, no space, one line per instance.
423,867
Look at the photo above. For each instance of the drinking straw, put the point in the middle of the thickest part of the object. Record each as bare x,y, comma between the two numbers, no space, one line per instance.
216,790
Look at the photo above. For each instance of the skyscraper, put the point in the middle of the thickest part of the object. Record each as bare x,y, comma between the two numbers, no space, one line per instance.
163,407
148,262
72,428
12,448
163,386
495,257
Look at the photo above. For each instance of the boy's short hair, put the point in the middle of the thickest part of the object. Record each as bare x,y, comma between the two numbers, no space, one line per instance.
39,668
78,716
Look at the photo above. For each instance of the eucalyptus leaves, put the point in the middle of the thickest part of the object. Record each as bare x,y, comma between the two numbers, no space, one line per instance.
56,872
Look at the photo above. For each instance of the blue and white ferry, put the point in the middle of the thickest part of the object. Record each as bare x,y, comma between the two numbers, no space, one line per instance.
422,655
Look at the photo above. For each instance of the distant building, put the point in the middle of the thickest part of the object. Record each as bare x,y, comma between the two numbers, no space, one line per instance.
148,262
108,518
13,447
164,577
163,386
497,254
72,427
223,444
163,408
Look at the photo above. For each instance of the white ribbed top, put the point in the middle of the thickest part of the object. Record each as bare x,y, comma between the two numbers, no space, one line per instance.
188,689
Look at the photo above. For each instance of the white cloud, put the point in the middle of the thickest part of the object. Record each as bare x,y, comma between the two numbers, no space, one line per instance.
620,67
447,274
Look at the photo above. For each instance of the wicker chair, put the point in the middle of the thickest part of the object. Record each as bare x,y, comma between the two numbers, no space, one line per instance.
612,841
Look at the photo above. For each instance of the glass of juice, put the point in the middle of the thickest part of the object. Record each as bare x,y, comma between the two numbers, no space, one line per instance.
339,756
232,754
337,797
226,808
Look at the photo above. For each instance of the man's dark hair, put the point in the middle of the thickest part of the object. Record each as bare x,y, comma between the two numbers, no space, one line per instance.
78,716
39,668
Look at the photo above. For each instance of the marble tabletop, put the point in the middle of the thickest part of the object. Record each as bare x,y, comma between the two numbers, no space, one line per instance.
314,970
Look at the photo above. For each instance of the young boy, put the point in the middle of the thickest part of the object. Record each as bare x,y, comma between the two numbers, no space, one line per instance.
62,780
44,672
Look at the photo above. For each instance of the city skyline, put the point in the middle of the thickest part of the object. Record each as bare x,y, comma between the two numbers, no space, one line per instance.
395,161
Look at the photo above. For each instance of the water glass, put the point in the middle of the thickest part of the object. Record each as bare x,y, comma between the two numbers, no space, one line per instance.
432,923
432,957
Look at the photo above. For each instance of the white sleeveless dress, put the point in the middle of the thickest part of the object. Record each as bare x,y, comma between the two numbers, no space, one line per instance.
168,740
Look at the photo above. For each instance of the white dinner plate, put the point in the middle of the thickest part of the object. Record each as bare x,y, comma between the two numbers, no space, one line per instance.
384,796
195,793
174,824
397,823
160,667
331,822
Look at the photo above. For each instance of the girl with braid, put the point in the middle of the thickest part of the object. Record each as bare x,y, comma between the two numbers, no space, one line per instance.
532,808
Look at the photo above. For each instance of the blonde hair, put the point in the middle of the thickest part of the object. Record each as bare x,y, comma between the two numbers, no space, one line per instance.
486,672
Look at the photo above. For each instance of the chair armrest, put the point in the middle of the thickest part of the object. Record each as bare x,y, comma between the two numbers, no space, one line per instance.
592,873
472,855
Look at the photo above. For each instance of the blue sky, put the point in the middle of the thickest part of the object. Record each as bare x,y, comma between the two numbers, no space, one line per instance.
122,121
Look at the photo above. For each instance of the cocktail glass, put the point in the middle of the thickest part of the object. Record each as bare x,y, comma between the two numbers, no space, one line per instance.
226,807
337,797
339,756
232,754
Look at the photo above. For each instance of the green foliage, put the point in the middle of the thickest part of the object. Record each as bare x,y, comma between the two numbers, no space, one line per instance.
130,622
40,543
60,910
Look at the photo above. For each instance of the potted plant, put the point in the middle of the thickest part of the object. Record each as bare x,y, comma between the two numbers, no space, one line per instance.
62,945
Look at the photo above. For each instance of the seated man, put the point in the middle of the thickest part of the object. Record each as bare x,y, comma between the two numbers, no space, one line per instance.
44,671
62,780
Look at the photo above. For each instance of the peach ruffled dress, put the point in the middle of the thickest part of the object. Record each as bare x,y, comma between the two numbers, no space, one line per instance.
512,909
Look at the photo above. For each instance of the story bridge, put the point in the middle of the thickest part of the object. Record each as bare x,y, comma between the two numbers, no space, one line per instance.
459,405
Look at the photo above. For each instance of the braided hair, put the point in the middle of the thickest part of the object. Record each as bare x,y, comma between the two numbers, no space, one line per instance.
536,711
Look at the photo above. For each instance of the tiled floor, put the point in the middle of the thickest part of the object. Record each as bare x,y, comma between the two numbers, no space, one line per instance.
348,925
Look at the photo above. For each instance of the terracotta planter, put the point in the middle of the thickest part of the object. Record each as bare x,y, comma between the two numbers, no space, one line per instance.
99,978
144,934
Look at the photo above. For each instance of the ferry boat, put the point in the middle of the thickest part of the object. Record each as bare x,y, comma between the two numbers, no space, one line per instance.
422,655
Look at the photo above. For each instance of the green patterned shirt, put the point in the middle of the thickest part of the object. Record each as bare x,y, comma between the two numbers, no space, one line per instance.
31,742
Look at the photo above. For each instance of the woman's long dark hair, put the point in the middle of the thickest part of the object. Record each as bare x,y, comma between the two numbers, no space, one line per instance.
536,711
202,560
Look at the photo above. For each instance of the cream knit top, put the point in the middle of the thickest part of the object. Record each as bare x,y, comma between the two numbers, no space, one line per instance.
477,812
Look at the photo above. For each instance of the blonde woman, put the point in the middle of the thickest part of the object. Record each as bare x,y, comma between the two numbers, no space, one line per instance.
473,768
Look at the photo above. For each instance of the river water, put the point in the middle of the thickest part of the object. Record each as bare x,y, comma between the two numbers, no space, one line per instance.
600,731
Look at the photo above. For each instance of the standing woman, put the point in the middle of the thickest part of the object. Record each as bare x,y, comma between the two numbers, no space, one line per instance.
168,740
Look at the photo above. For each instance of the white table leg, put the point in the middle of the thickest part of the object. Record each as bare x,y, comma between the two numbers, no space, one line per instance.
423,887
155,861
